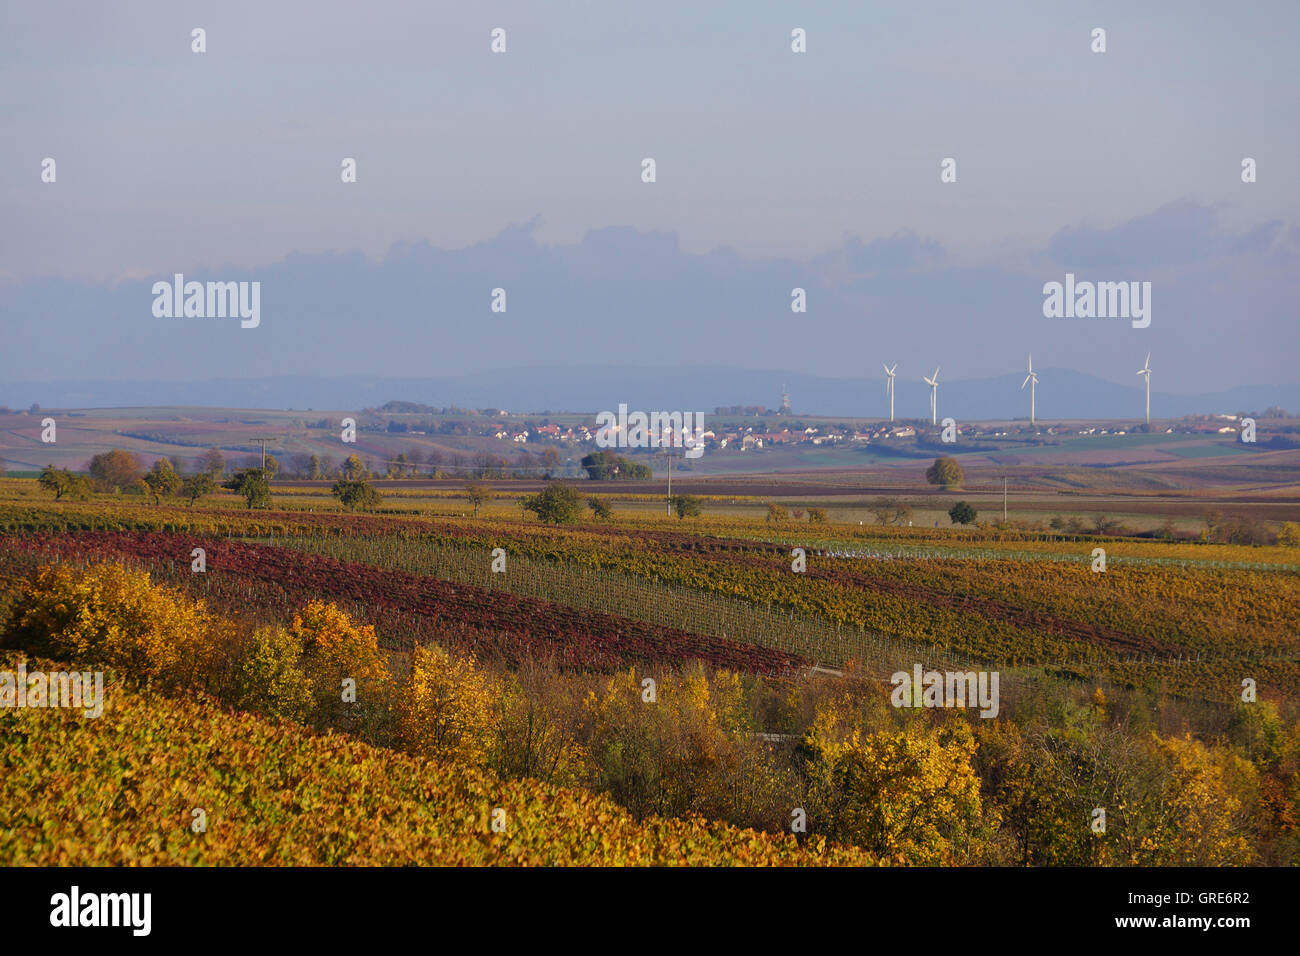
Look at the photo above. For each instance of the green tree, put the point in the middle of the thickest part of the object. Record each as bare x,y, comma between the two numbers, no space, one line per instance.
557,503
945,471
961,513
162,480
605,465
197,485
62,482
600,508
315,471
686,506
476,494
252,485
356,494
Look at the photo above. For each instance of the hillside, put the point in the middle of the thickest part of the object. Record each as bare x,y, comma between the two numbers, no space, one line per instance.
121,790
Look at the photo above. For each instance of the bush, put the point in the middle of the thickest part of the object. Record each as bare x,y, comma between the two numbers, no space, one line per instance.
356,494
446,708
776,513
961,513
945,471
113,616
686,506
557,503
335,649
271,680
910,794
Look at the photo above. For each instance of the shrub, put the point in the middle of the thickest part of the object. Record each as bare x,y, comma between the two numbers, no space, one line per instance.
961,513
911,794
335,649
270,679
557,503
446,708
114,616
686,506
945,471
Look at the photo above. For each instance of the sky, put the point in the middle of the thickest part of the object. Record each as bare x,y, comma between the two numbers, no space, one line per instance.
522,170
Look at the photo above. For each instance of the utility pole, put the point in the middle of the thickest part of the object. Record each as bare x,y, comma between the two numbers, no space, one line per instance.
668,503
262,442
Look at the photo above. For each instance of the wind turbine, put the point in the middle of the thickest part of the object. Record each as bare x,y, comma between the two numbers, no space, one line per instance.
933,382
889,387
1146,370
1031,377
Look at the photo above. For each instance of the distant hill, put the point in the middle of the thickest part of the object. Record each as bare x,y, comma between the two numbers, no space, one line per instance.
1062,393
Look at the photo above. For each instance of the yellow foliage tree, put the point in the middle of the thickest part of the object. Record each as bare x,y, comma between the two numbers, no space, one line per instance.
447,708
1205,821
337,649
911,794
114,616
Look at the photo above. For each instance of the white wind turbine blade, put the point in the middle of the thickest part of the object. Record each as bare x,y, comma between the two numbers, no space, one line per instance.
1025,382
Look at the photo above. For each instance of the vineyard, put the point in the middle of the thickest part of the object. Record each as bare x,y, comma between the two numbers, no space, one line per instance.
275,794
1207,625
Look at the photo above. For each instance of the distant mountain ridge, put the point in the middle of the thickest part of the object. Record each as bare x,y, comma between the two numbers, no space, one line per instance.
1061,394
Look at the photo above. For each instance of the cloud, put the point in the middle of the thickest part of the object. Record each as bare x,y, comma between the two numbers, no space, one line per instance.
623,296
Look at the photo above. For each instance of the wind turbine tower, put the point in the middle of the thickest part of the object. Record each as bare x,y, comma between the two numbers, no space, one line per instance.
1032,381
1146,370
889,387
933,382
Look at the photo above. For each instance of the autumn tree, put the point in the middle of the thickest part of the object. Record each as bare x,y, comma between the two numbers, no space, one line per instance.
477,494
910,794
115,470
356,494
600,508
354,470
557,503
197,485
62,482
447,708
945,471
214,463
162,479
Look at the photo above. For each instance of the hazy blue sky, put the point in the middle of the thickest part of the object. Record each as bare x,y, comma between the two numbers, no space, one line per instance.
775,170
